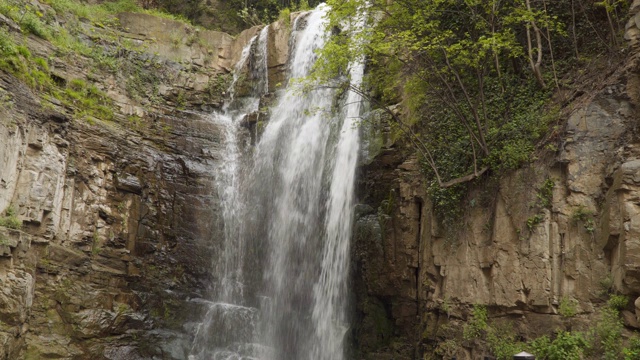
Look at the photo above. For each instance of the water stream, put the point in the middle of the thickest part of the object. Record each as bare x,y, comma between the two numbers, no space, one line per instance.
287,209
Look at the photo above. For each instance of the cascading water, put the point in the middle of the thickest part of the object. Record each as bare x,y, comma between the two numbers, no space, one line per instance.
284,262
229,325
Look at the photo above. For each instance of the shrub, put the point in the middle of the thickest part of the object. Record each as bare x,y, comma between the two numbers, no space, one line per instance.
477,324
31,23
568,307
10,219
608,334
566,346
7,45
632,352
618,302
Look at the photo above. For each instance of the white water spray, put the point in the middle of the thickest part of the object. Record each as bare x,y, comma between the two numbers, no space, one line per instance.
284,260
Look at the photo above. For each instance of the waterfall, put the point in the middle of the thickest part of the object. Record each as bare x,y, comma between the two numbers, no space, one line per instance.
228,328
287,210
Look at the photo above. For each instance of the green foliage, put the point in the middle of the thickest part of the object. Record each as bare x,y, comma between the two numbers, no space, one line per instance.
86,100
568,307
142,81
105,11
632,351
581,213
606,284
478,323
26,16
31,23
447,349
584,216
446,203
181,100
7,45
217,86
453,77
603,342
545,193
540,347
608,334
534,220
472,97
618,302
10,219
566,346
285,16
502,341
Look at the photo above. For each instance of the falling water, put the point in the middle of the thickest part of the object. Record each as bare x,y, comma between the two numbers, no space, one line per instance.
283,266
228,328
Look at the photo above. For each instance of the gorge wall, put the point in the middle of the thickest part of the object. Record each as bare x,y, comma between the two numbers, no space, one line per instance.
119,218
518,251
116,219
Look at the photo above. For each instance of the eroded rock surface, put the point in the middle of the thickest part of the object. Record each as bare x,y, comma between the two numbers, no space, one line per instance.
116,220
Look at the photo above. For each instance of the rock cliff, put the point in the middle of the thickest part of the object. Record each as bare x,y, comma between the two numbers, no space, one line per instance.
564,228
107,227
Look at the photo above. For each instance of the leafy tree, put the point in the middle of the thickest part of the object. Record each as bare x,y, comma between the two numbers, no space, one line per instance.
459,70
450,66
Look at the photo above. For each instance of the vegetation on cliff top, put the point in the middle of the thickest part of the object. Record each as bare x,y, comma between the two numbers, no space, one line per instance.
475,78
231,16
87,38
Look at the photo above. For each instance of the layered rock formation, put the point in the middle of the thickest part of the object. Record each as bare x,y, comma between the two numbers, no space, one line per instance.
116,220
564,228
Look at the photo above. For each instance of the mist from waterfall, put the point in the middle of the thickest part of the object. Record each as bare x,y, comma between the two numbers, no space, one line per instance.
287,208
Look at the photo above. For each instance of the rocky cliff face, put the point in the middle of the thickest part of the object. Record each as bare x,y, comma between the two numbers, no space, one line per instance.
564,228
117,220
110,225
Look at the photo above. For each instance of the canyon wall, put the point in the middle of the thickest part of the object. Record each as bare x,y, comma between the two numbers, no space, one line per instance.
564,228
111,225
118,220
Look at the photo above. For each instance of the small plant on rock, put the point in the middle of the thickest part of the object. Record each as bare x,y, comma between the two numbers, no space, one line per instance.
10,219
568,307
618,302
534,220
584,216
545,193
606,285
